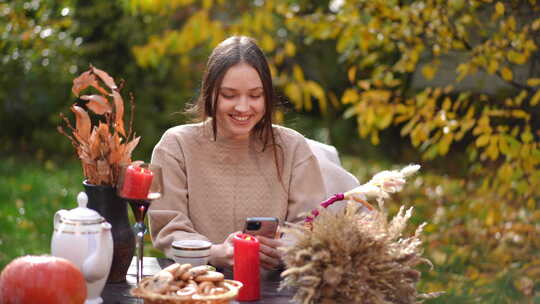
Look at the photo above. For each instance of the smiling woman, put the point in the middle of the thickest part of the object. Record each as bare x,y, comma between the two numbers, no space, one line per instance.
233,163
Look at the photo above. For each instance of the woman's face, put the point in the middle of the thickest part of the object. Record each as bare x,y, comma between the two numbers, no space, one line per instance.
240,104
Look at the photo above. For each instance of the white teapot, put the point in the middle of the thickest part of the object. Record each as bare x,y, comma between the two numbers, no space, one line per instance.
82,236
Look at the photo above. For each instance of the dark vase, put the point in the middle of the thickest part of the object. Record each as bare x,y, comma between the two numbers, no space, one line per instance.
108,204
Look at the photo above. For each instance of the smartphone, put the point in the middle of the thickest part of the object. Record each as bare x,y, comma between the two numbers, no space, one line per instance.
265,226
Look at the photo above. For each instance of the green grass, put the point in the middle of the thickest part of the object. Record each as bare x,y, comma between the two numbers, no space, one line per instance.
30,194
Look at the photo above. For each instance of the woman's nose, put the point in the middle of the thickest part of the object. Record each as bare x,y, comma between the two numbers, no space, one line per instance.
241,104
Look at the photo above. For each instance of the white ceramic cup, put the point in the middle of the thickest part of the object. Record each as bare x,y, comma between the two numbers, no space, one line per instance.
194,252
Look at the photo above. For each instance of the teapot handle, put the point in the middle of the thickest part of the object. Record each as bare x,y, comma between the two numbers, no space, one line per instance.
58,216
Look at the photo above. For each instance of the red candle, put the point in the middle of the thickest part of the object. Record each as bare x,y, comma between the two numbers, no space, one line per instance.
246,266
137,182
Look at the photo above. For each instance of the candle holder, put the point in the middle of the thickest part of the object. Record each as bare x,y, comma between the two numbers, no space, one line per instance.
139,184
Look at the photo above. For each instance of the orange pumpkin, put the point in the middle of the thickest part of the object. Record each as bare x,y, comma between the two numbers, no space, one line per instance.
42,279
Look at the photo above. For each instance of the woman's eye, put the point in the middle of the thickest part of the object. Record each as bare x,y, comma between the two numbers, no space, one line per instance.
255,96
227,96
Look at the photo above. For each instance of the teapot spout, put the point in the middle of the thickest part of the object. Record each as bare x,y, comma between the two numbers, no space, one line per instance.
98,264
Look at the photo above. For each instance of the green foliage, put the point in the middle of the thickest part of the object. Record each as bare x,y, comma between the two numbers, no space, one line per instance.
38,44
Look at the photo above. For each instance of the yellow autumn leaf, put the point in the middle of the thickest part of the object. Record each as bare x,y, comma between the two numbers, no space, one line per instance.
278,58
492,150
366,85
507,74
516,57
375,138
533,82
531,204
445,142
499,8
436,50
505,171
377,95
526,136
350,96
535,99
482,140
504,147
290,49
447,103
429,72
511,22
385,119
493,66
279,117
368,117
352,74
472,273
463,70
267,43
298,74
316,90
207,4
294,93
536,24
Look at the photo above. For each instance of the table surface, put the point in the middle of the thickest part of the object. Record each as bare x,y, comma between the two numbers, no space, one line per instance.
119,292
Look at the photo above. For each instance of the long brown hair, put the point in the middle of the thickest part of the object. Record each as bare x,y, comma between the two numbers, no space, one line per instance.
230,52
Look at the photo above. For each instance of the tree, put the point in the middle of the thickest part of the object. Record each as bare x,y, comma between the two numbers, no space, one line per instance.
38,46
455,77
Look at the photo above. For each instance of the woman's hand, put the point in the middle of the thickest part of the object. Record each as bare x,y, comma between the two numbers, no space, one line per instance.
221,255
269,255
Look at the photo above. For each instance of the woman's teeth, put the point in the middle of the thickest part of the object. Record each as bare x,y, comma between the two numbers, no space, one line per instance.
241,118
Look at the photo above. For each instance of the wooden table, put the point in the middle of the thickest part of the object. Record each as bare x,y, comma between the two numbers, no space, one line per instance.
119,292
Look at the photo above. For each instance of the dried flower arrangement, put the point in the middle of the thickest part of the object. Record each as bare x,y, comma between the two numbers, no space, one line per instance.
104,147
357,256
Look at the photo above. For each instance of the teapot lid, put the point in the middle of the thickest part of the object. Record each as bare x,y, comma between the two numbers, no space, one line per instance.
82,213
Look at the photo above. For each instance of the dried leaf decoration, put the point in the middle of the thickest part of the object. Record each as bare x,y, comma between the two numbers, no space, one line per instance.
356,255
83,124
97,103
119,113
104,147
108,80
83,81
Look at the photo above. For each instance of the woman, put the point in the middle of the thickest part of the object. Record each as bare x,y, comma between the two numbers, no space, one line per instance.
234,163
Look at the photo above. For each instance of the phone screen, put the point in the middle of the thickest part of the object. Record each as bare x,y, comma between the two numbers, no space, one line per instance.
265,226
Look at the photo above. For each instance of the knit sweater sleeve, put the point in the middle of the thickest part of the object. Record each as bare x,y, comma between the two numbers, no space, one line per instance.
168,216
306,189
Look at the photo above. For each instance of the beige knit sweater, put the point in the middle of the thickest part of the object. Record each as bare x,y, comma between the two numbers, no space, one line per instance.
210,187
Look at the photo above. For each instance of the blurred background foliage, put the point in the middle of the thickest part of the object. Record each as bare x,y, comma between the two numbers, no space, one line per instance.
453,85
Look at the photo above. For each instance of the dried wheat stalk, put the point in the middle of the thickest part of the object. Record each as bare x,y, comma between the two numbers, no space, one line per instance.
104,147
357,257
